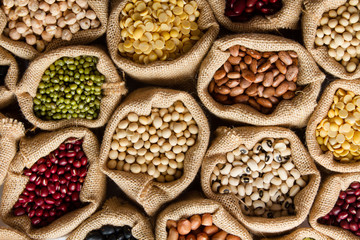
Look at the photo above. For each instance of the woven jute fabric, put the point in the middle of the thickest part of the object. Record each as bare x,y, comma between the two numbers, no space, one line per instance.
10,132
294,113
7,95
112,89
23,50
229,139
189,207
116,212
287,18
325,201
32,149
11,234
142,187
326,159
301,234
314,9
163,73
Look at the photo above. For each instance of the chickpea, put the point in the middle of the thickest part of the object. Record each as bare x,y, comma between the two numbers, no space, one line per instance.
36,23
74,28
82,3
90,14
44,6
27,32
12,24
38,30
51,29
76,8
13,15
55,9
40,15
49,19
85,23
6,10
9,3
61,22
63,6
80,15
50,1
22,3
21,27
46,36
58,33
70,18
66,35
40,45
33,6
95,23
30,39
27,20
14,35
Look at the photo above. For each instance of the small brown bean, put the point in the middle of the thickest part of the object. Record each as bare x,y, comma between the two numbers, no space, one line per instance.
292,86
264,102
232,237
202,236
273,58
288,95
242,54
292,72
248,59
222,90
227,66
252,90
219,236
206,219
253,66
236,91
221,98
268,92
266,54
275,72
260,90
184,227
210,230
234,50
274,100
282,88
221,81
259,77
171,223
285,58
248,75
244,83
279,79
243,66
280,66
293,54
234,60
254,54
211,87
219,74
268,79
173,234
241,99
195,222
190,237
264,67
237,68
233,75
233,83
254,104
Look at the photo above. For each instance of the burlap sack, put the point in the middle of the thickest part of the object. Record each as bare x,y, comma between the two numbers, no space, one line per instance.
31,150
115,212
314,9
10,132
301,234
327,159
325,201
227,140
113,87
23,50
187,208
163,73
287,18
294,113
11,234
7,90
141,187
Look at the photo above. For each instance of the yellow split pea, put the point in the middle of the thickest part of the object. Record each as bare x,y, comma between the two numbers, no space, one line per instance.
158,29
339,132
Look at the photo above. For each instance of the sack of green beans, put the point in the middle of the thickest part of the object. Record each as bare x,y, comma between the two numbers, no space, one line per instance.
333,135
287,17
8,78
259,79
10,132
58,171
302,234
154,144
7,233
28,28
70,86
262,175
162,50
331,34
116,213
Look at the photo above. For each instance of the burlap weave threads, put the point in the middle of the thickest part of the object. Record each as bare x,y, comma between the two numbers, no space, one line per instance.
165,73
227,140
23,50
301,234
7,95
11,234
142,187
293,113
113,88
31,149
115,212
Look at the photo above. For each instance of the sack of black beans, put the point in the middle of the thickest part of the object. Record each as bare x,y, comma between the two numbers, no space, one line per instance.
262,175
286,18
58,171
9,74
116,213
154,144
10,132
163,69
7,233
42,26
302,234
294,112
70,86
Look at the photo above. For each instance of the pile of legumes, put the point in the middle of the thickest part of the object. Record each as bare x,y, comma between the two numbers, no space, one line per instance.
39,22
339,30
264,178
346,212
196,227
3,73
260,79
108,232
54,186
244,10
70,88
339,132
155,144
158,30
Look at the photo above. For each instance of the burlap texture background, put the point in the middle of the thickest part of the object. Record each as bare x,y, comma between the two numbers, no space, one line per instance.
31,149
227,140
301,234
113,87
11,234
141,187
115,212
23,50
7,95
163,73
294,113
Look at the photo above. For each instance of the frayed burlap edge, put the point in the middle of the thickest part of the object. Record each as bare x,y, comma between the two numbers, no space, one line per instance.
7,95
12,234
301,234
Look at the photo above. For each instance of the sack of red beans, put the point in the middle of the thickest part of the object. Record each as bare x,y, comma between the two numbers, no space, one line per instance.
117,213
301,234
292,108
261,164
166,135
8,78
51,97
54,183
10,132
253,18
7,233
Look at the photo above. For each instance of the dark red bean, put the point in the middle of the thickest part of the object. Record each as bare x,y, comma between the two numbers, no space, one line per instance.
55,177
68,167
34,168
77,148
31,213
45,181
42,168
62,162
353,226
350,199
343,215
80,154
82,172
74,172
63,180
44,192
250,3
38,180
39,212
78,187
56,195
63,189
27,172
61,171
47,173
239,6
250,10
350,192
71,154
50,200
344,224
30,186
69,146
71,160
352,210
355,185
75,196
340,202
77,164
32,177
19,211
342,195
62,147
74,179
72,187
84,161
51,188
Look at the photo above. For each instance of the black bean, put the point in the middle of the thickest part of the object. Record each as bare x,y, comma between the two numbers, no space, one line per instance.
94,235
107,230
127,232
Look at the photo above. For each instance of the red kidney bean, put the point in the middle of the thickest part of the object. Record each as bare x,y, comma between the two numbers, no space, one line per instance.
19,211
72,187
84,161
27,172
342,195
77,164
30,186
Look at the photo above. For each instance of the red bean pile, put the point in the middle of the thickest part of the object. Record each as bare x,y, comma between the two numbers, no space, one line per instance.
244,10
346,213
54,186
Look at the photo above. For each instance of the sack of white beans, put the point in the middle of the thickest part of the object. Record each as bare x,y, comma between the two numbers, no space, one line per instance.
7,234
262,175
302,234
7,82
154,145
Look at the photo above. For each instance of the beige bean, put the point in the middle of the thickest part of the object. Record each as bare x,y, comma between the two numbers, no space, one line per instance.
278,80
288,95
248,75
235,75
252,90
292,72
221,81
264,102
234,60
269,92
282,88
265,66
236,91
233,83
268,79
253,66
281,66
259,77
285,58
184,227
234,50
227,66
219,74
